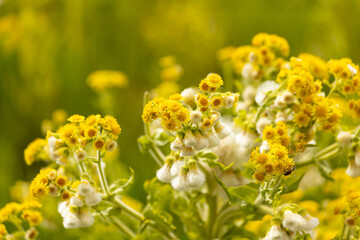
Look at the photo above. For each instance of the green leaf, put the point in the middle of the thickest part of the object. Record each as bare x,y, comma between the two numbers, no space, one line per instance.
206,156
245,193
223,186
122,184
324,169
235,232
292,183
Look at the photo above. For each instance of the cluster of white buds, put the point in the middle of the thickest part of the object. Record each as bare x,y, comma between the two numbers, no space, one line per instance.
75,217
196,140
298,223
284,99
264,89
276,233
76,212
181,175
56,152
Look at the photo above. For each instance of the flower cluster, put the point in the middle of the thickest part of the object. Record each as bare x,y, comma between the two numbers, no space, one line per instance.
272,158
291,222
349,207
192,116
105,79
71,139
261,59
20,214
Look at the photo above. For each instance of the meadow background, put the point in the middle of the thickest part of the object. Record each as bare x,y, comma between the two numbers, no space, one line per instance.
49,47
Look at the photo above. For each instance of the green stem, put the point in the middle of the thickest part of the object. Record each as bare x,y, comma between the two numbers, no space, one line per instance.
156,154
212,205
329,155
268,99
102,177
332,90
306,163
265,209
120,204
125,229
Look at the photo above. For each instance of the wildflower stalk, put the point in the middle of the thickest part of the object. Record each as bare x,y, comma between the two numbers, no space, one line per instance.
102,177
125,229
332,90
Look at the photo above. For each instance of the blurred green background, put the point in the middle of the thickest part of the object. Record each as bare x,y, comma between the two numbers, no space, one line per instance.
49,47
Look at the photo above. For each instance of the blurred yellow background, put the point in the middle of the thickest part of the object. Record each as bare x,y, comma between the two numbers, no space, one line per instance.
49,47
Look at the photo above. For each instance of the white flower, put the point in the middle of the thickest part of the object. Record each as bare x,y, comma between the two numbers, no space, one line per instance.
352,69
111,146
262,123
213,139
63,208
312,222
177,145
163,174
294,222
76,201
252,57
195,178
279,103
265,147
195,116
353,170
248,71
71,220
344,138
187,152
176,167
93,198
180,182
249,93
80,154
222,130
86,219
288,97
275,233
229,101
280,117
85,188
201,142
264,89
53,190
189,139
357,157
53,143
189,95
54,155
31,234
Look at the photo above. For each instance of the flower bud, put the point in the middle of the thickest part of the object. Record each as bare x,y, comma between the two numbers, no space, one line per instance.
187,152
275,233
249,94
86,219
265,147
111,146
229,101
353,170
189,96
189,139
279,102
85,188
77,201
176,167
195,116
177,145
261,124
288,97
53,190
180,182
201,142
31,234
195,177
163,174
93,198
344,138
71,220
221,130
294,222
80,154
213,139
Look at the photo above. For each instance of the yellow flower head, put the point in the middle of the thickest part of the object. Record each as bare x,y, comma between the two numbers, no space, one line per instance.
104,79
33,149
76,118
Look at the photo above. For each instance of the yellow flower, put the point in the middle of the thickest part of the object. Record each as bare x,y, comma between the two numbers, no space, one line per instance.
214,81
269,133
110,124
33,217
103,79
33,149
76,118
59,116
